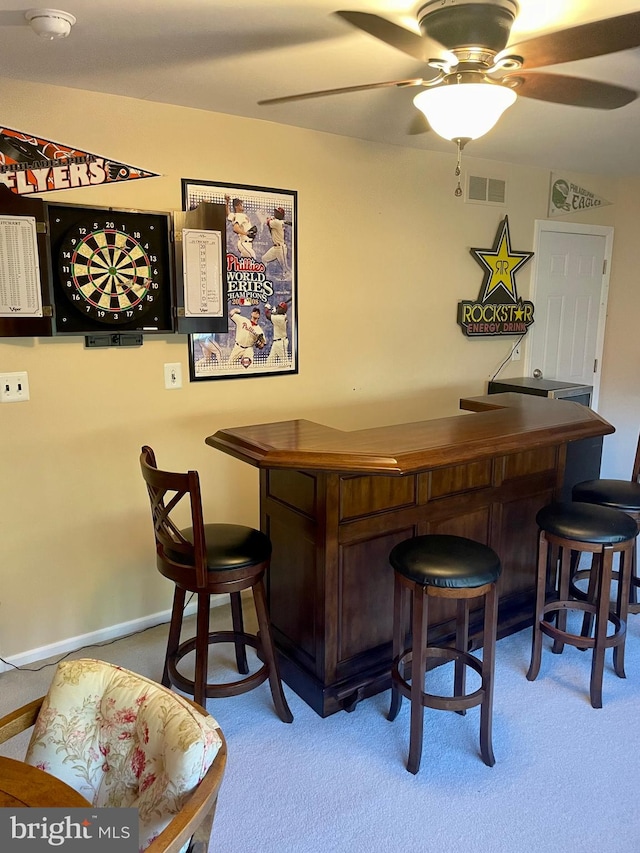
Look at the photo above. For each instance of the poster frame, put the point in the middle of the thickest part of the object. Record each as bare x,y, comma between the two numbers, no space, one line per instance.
261,273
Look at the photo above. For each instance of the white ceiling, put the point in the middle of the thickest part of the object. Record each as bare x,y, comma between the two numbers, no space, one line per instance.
225,55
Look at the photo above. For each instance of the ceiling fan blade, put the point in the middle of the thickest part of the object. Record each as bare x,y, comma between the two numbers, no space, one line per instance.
573,91
399,84
415,45
582,42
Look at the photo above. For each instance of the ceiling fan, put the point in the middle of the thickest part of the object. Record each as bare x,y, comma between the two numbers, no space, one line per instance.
473,73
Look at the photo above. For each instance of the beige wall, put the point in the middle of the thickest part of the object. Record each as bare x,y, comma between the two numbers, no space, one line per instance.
383,260
620,400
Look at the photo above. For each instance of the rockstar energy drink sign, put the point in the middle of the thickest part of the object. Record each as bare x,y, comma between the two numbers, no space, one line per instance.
498,309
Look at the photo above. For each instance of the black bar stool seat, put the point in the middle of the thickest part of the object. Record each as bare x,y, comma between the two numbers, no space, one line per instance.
442,566
568,529
586,523
617,494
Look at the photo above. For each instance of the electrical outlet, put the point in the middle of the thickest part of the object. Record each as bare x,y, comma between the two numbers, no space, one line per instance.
515,355
173,376
14,387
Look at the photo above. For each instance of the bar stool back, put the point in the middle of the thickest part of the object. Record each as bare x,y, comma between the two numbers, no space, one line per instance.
441,566
566,531
209,559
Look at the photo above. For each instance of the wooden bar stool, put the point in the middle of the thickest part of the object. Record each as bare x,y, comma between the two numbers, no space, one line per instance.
441,566
616,494
567,530
209,559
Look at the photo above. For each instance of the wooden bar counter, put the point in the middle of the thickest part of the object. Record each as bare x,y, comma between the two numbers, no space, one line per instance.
335,503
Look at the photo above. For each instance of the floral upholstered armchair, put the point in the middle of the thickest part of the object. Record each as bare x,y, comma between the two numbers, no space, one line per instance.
122,740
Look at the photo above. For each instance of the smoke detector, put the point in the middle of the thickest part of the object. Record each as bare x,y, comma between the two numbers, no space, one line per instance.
50,23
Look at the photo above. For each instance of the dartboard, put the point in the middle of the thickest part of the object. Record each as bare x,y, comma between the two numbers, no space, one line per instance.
111,269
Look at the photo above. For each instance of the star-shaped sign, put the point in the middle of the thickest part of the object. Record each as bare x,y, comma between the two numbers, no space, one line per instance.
500,264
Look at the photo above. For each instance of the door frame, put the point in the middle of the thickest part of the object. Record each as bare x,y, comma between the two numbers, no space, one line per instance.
606,231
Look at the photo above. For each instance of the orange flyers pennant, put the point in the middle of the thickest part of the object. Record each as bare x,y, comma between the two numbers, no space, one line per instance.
30,164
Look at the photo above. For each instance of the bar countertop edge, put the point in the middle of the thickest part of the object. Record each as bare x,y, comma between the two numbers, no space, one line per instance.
496,423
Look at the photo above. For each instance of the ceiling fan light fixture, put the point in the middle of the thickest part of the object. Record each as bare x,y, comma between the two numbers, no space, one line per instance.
464,110
50,24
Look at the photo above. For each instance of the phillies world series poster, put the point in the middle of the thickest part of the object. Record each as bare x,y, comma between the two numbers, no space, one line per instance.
261,261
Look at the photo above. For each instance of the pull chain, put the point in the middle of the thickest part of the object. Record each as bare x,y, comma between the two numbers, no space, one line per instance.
458,191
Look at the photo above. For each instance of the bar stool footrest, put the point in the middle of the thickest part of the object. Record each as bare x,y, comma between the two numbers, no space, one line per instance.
217,690
581,595
577,640
432,700
583,574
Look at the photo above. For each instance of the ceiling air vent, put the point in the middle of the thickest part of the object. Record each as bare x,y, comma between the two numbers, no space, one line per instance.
486,190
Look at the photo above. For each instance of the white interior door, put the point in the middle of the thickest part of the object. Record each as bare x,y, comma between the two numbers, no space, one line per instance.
569,293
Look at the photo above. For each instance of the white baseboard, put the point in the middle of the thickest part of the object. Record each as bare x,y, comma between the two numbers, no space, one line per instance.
112,632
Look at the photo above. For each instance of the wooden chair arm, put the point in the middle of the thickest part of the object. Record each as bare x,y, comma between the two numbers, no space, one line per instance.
195,819
20,719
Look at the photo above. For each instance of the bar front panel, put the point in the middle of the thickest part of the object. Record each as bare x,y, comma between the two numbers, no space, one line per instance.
331,586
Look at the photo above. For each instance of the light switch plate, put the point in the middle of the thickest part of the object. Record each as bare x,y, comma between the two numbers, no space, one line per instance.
14,387
173,376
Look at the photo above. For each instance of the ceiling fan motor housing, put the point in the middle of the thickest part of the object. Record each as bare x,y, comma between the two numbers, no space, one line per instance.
470,23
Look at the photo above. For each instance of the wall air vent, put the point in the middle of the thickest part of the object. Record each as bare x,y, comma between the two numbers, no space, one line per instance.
482,190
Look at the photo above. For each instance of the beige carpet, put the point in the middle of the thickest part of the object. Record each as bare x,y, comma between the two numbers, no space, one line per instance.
566,776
